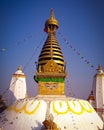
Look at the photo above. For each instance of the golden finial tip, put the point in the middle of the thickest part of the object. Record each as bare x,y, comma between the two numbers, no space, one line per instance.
51,20
99,67
52,14
19,68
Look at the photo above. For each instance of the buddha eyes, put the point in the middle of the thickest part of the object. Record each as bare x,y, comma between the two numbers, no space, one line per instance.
55,85
47,85
51,85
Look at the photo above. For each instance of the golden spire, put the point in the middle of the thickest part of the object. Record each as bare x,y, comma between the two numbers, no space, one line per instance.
51,49
50,73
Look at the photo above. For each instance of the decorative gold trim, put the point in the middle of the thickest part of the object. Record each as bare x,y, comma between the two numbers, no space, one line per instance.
18,75
99,75
23,108
50,74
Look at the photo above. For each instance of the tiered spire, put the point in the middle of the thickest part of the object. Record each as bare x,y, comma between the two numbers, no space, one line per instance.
51,48
50,67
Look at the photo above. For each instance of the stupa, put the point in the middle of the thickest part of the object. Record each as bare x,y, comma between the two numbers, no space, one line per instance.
17,89
50,109
96,97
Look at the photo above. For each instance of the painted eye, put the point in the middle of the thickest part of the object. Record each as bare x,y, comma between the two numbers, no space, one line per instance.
47,85
55,85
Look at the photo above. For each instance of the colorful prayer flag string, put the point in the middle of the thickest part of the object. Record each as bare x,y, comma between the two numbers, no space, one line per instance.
33,54
19,42
77,52
69,88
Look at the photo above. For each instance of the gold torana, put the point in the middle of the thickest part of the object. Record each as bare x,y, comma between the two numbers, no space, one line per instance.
50,67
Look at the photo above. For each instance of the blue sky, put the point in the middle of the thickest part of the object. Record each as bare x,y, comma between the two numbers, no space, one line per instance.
81,22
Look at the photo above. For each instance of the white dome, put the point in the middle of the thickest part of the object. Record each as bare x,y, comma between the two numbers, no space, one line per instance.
68,114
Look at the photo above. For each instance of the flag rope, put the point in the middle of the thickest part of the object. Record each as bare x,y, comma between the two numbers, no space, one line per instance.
75,50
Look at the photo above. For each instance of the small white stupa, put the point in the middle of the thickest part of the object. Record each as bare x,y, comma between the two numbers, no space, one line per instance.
98,91
18,85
